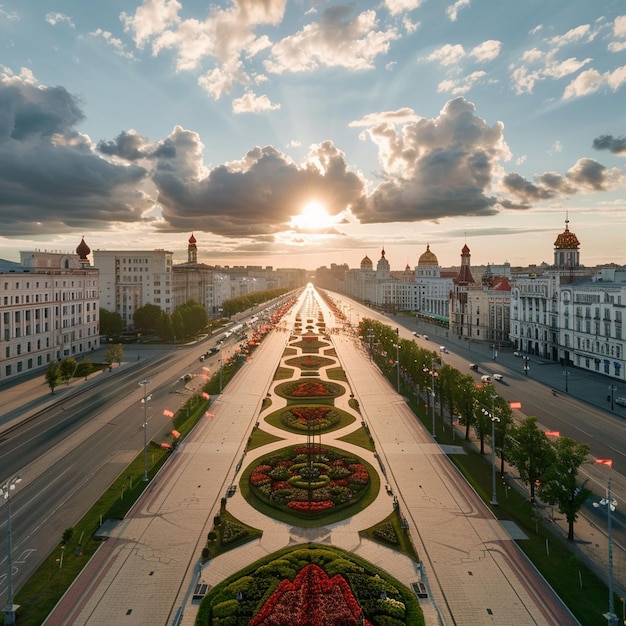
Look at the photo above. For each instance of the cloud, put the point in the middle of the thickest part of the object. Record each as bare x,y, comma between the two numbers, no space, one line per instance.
616,145
453,10
254,196
542,62
591,80
222,39
585,176
113,42
251,103
435,168
460,86
58,18
448,54
395,7
487,50
340,39
50,178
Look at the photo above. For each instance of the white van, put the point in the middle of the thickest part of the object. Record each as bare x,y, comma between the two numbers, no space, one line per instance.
486,379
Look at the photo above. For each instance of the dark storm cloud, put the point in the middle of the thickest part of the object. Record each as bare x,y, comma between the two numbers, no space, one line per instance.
616,145
255,195
50,178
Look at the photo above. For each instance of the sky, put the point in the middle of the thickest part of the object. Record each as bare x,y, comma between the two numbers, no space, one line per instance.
304,133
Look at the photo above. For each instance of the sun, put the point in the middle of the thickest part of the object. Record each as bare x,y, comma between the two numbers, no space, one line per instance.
312,217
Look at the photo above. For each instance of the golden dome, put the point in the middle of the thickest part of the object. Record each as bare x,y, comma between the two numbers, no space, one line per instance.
566,239
428,258
366,263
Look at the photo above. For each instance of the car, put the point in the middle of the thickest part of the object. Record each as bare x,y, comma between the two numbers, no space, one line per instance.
443,349
517,353
473,366
425,337
202,357
186,377
486,379
415,334
620,401
497,376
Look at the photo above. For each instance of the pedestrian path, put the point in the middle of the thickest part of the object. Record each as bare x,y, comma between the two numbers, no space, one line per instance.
147,570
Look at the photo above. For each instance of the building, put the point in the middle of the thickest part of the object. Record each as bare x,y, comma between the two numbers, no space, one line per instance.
434,287
132,279
536,301
49,309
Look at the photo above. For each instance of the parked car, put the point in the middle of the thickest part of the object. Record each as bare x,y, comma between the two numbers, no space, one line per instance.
497,376
620,401
415,334
202,357
517,353
473,366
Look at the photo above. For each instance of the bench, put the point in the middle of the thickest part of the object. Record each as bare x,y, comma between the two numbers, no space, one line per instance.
420,589
200,591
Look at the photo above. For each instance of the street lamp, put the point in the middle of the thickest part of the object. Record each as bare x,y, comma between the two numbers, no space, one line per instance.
10,609
566,374
494,419
610,504
370,335
612,389
397,347
144,401
526,365
432,391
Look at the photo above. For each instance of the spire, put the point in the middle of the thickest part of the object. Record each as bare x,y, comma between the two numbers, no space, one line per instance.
192,250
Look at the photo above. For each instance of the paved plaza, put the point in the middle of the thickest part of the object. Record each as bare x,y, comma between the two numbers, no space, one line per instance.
147,570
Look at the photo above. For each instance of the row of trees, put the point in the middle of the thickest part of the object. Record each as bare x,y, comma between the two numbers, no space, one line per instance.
546,467
187,320
250,300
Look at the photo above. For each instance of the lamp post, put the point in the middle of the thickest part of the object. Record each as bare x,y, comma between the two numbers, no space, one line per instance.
397,347
566,374
10,609
610,504
494,419
144,400
432,392
370,336
612,389
526,365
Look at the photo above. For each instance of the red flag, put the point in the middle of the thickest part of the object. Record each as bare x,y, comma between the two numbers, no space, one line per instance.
515,405
552,433
608,462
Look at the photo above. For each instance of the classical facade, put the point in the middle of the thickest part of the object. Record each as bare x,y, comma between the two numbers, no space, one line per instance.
48,309
434,287
132,279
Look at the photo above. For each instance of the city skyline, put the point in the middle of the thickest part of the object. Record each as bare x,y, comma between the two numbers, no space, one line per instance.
300,134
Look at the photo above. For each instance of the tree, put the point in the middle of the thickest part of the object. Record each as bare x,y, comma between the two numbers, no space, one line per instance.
146,317
111,324
194,317
529,450
53,376
560,485
86,367
67,368
164,328
466,386
114,354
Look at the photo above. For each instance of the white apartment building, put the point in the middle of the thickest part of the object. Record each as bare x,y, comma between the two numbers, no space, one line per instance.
132,279
591,323
48,310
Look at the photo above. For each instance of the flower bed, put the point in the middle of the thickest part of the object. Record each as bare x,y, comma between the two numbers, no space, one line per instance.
309,480
310,362
314,388
311,586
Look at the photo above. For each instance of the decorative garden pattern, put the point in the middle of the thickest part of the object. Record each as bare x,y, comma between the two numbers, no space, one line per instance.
302,418
309,480
313,389
310,362
318,586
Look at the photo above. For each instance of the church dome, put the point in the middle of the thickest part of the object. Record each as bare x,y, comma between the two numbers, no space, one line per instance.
83,250
566,239
366,263
428,258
